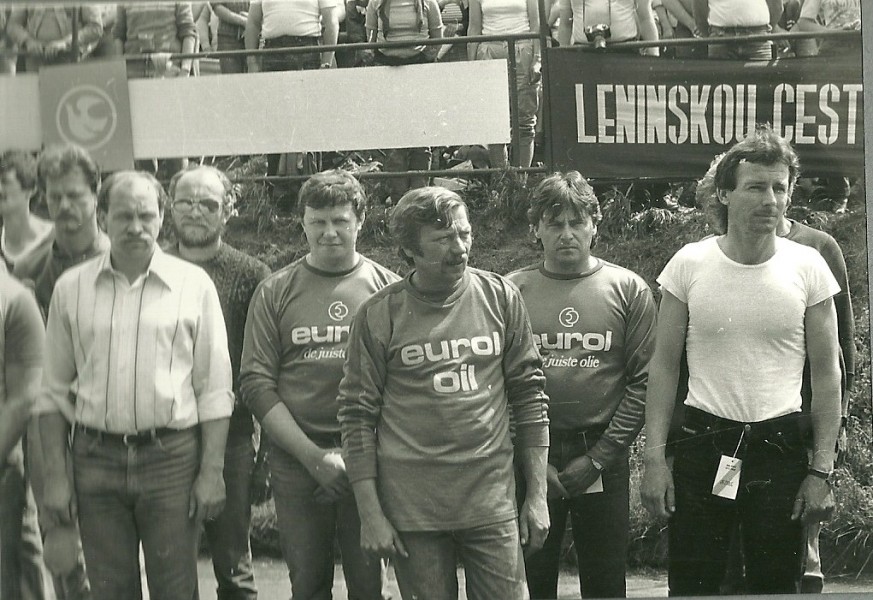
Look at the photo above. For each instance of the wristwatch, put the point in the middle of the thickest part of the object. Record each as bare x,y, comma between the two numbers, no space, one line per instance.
596,464
827,476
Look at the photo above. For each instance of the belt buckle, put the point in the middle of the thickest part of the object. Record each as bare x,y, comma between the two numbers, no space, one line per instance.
128,439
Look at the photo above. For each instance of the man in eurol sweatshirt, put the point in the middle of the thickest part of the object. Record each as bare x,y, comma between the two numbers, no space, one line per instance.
438,365
292,362
594,322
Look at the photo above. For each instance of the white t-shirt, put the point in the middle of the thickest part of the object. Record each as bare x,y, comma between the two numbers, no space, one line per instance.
745,340
292,17
738,13
504,16
620,15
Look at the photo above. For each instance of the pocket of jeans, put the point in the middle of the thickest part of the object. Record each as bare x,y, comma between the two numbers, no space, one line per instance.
85,445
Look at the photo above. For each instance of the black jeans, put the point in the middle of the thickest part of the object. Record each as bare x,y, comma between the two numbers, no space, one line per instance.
599,523
774,465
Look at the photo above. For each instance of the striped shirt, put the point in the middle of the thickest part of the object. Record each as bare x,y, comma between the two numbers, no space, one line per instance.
124,357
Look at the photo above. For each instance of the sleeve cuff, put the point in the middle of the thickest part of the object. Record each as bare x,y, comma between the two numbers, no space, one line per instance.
532,435
605,451
215,405
360,467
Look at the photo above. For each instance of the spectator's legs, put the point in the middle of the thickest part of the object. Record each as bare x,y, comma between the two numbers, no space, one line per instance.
396,160
419,160
306,527
430,570
161,475
528,83
228,534
492,559
231,64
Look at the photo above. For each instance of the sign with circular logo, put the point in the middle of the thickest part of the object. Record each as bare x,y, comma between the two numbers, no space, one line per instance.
337,311
86,116
568,317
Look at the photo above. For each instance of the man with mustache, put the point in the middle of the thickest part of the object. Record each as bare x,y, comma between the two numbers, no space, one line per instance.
750,308
438,366
595,325
137,369
201,201
69,179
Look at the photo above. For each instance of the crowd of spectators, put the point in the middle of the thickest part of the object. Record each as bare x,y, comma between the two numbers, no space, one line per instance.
35,36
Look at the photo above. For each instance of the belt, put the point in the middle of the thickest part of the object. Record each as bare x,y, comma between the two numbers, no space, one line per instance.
785,426
744,29
283,40
140,438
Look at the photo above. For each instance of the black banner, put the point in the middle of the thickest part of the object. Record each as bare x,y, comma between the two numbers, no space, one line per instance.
628,116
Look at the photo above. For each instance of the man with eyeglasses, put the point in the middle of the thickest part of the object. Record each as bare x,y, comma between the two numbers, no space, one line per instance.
202,201
137,369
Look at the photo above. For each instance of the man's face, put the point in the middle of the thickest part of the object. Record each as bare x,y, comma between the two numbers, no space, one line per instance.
71,203
444,252
332,234
13,197
566,240
133,219
759,200
198,209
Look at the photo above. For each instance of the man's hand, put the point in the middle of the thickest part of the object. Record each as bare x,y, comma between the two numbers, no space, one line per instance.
207,495
53,49
329,470
34,47
656,490
533,524
578,475
556,488
814,501
379,539
57,501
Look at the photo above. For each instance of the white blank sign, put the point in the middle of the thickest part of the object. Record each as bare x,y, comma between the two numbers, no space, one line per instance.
439,104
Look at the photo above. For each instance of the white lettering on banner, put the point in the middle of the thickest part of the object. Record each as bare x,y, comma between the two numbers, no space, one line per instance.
331,334
720,114
480,345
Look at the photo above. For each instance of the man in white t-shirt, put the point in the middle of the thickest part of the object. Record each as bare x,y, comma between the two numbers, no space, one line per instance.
737,18
749,308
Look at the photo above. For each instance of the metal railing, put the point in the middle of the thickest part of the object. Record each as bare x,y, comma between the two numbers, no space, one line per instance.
543,36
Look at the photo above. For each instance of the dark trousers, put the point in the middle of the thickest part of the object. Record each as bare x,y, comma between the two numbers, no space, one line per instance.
774,465
228,534
599,521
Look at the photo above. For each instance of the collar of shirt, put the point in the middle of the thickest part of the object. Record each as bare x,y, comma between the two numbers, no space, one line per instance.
161,266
